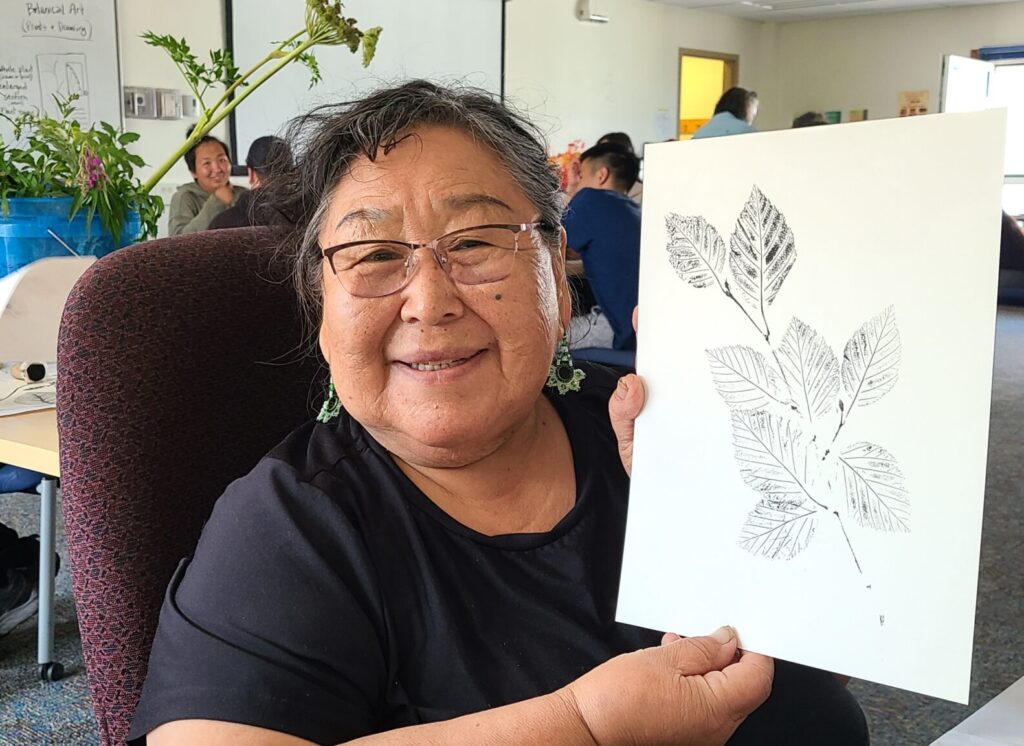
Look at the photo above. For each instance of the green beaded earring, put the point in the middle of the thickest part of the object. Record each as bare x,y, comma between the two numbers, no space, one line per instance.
562,374
331,407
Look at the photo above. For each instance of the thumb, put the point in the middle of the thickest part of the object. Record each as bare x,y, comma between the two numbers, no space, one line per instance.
623,408
696,656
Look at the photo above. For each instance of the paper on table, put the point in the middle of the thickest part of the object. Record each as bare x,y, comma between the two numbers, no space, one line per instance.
17,396
998,723
818,313
31,302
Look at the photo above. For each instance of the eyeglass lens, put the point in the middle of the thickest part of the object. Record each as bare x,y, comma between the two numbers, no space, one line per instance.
472,257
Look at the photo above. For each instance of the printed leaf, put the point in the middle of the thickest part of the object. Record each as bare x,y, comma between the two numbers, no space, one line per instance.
761,251
871,360
811,370
875,493
696,251
744,378
778,531
771,455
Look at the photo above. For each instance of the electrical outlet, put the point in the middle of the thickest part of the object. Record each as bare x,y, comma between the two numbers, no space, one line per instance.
139,103
189,106
168,104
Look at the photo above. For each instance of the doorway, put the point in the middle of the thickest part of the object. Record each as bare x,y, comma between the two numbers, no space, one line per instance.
703,78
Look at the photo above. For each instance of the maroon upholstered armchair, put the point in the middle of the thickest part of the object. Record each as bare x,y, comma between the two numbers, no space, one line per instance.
181,362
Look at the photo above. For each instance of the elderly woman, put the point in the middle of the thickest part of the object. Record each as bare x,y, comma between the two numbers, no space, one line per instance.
439,561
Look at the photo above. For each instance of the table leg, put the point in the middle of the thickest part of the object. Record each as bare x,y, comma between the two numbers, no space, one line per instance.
48,669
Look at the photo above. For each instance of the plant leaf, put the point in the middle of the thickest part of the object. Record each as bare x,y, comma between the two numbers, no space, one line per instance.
772,456
871,360
875,493
695,250
811,370
744,378
761,251
778,531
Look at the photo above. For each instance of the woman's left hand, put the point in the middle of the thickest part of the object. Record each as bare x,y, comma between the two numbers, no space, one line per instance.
623,408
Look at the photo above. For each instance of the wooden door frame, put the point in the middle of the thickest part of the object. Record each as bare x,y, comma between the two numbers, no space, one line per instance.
730,78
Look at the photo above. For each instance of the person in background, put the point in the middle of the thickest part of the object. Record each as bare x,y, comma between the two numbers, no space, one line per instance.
734,115
621,138
602,226
195,205
1011,262
19,557
265,155
810,119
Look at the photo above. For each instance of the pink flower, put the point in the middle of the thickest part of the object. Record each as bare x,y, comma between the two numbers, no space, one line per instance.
90,171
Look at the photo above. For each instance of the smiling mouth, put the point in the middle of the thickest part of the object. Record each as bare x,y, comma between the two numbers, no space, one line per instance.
441,364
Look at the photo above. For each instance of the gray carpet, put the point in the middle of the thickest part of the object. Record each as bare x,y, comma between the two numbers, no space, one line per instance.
35,713
32,711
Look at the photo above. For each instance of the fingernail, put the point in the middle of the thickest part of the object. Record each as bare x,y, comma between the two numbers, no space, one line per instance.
723,634
622,389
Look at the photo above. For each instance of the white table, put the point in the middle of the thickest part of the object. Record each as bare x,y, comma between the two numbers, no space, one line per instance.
1000,722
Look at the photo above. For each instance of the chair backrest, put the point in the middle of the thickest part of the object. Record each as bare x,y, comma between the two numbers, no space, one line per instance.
181,362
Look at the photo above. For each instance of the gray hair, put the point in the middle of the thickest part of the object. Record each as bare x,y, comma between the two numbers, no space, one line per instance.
331,138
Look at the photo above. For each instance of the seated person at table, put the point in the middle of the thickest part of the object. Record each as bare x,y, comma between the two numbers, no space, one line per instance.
809,119
734,115
195,205
602,225
636,193
437,560
265,154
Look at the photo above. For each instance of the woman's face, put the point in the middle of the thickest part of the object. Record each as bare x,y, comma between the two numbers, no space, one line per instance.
212,166
497,337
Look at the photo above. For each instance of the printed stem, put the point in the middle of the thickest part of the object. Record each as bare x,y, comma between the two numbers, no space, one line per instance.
848,544
785,379
767,331
842,421
730,296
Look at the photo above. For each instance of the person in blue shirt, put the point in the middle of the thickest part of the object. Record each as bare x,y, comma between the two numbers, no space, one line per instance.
734,115
602,226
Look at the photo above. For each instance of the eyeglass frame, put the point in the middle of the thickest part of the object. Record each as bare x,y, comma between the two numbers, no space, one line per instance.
442,261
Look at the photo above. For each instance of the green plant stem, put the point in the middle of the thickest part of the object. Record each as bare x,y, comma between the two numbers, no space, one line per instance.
210,118
252,70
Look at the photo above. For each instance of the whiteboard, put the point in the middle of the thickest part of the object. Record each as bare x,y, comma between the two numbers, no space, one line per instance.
443,40
54,47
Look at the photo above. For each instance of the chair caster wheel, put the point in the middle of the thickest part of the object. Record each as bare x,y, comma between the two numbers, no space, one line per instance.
51,671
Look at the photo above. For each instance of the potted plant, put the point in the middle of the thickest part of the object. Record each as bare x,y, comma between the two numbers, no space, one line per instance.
68,189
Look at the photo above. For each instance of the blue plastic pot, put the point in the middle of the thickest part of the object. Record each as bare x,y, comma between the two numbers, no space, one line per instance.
27,232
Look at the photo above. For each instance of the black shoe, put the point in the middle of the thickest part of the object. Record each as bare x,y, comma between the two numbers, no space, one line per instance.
19,599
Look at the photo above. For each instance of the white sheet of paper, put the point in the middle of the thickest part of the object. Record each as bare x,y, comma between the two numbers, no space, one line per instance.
895,229
31,303
998,723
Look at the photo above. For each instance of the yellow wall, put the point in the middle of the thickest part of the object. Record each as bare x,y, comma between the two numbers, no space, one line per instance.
700,86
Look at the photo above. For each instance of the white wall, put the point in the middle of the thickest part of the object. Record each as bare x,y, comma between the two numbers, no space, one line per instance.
865,61
580,80
201,23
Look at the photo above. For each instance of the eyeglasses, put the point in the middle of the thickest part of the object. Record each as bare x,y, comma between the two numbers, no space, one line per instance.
471,256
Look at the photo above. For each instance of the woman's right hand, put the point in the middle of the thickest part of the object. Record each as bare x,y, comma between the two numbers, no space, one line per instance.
688,691
225,193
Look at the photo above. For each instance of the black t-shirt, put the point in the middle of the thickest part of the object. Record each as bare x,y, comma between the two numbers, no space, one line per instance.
329,598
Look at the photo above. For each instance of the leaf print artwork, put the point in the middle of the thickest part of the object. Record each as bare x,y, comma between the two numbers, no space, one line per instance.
780,399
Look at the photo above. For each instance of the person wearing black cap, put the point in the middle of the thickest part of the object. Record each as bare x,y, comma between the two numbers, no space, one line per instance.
265,154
